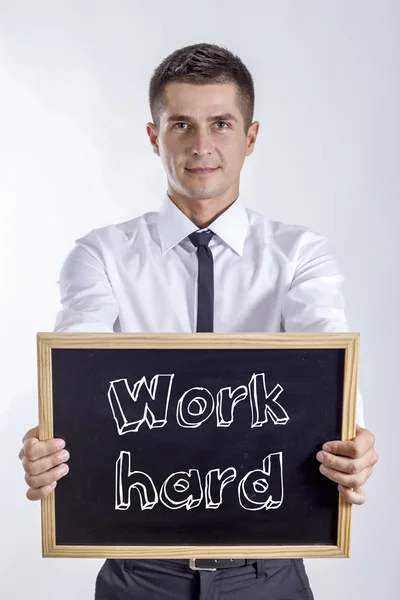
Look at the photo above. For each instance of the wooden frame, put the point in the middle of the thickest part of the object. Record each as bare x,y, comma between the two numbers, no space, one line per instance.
47,341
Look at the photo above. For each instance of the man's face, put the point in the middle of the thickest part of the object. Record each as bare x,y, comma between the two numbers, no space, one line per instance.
202,128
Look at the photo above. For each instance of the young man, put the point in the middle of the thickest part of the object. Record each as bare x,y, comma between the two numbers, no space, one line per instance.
240,273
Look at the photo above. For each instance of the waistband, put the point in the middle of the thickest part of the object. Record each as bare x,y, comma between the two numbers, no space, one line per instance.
198,564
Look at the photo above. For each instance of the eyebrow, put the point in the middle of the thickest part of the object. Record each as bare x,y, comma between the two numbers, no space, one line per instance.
223,117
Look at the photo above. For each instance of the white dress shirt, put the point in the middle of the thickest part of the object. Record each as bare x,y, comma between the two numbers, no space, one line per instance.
141,276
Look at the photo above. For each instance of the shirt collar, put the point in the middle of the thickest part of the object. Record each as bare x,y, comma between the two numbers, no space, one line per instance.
231,226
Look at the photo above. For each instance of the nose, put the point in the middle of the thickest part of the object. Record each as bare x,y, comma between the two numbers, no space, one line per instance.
201,144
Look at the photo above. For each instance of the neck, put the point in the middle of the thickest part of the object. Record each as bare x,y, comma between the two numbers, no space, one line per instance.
202,212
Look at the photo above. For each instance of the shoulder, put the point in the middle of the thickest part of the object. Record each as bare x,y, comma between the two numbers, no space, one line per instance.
289,238
110,237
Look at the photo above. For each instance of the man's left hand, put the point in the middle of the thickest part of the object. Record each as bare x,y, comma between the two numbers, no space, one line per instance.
350,464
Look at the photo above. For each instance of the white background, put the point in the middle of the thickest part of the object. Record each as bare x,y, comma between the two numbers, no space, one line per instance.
74,155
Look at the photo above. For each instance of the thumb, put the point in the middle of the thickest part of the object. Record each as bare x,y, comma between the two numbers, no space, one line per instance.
32,433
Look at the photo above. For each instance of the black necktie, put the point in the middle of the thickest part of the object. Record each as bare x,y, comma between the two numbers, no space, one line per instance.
205,280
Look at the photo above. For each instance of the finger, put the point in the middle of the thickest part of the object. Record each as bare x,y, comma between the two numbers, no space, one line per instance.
355,448
40,493
42,465
350,481
38,481
348,465
355,496
33,449
32,433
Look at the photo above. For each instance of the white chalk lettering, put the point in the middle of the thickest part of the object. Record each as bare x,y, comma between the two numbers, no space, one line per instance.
126,480
145,403
215,483
149,403
263,488
264,403
226,402
194,407
257,490
182,490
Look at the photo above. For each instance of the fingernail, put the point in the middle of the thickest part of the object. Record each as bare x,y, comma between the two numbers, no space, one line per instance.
64,455
53,485
63,469
60,444
323,469
320,456
327,448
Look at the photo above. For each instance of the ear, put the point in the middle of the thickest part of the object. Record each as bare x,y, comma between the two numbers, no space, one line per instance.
153,135
252,136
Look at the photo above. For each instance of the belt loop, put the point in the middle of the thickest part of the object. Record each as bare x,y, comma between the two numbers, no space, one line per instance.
260,567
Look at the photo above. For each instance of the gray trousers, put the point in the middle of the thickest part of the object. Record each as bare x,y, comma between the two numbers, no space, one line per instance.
156,579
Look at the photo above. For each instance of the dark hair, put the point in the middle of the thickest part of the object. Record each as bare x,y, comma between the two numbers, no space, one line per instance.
202,64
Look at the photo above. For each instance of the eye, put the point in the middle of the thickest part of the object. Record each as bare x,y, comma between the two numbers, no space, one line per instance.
223,123
219,122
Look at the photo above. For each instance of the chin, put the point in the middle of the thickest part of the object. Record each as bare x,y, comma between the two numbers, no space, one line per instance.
205,195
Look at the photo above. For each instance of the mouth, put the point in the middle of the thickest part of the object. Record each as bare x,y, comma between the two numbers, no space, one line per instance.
201,171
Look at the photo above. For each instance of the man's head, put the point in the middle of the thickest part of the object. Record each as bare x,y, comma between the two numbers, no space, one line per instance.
202,104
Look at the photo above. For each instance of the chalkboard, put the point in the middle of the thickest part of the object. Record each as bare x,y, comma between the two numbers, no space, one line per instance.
196,445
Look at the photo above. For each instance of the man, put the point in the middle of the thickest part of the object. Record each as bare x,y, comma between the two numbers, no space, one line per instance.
203,263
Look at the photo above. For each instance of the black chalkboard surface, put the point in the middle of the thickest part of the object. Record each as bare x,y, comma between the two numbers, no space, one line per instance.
196,444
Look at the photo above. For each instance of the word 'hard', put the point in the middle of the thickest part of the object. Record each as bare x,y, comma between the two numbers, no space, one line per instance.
149,403
258,489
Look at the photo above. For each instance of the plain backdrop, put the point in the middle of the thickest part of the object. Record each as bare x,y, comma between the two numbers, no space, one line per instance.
75,155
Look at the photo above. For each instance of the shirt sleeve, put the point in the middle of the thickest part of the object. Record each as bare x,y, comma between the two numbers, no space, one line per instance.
87,299
315,301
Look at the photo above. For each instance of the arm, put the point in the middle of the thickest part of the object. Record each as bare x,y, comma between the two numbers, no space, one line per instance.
315,302
88,301
88,305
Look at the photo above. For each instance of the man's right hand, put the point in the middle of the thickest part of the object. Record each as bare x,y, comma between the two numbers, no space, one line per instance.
44,463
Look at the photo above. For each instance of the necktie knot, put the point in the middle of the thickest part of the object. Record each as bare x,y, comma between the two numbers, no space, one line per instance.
201,238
